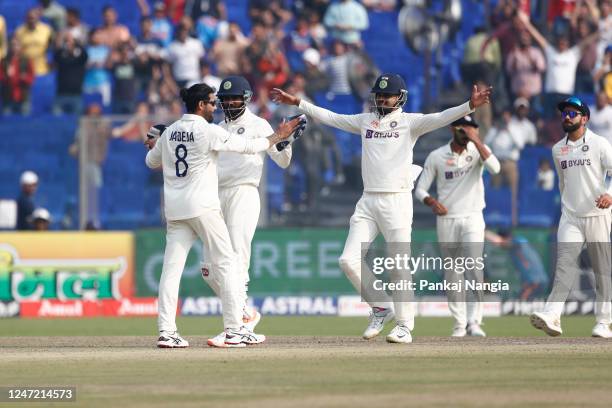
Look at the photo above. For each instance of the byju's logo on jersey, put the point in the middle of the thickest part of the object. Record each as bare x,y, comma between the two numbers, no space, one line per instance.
574,163
380,135
448,175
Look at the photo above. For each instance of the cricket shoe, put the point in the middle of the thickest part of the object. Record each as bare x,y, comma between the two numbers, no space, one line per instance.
459,331
474,330
378,317
171,340
551,325
217,341
602,330
242,337
399,334
250,317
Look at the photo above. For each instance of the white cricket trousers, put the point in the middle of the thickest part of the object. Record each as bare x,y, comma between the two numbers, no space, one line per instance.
573,232
391,215
463,237
240,206
180,235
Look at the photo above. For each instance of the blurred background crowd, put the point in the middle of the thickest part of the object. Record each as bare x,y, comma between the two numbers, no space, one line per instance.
81,82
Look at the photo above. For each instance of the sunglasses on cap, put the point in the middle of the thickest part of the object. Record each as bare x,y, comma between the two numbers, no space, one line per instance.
571,114
574,101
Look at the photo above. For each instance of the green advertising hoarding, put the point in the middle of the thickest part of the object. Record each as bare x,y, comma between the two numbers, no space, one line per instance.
288,261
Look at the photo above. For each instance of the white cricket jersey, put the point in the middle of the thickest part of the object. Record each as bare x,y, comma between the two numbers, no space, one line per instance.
458,179
387,141
581,167
187,151
236,169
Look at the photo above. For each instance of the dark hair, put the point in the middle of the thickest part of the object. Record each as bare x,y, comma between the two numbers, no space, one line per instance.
194,94
74,11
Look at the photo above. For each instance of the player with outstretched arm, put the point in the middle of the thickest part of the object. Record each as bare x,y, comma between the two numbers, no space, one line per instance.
457,168
388,136
239,177
187,151
582,159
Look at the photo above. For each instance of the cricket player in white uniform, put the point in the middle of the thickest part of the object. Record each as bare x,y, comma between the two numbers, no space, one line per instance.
457,168
239,177
388,136
582,159
187,151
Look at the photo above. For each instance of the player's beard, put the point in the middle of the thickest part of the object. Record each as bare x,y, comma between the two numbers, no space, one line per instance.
460,138
568,128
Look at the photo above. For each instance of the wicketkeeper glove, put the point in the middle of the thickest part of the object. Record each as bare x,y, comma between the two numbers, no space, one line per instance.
297,133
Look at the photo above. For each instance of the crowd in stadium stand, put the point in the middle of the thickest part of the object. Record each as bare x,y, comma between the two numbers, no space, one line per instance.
534,53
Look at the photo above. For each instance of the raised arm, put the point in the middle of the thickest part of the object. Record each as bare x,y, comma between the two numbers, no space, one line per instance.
223,141
539,38
348,123
282,158
426,123
487,158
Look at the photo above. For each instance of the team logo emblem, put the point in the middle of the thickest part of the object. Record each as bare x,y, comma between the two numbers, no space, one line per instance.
205,272
585,148
450,162
565,150
374,123
393,124
469,159
241,131
227,85
382,84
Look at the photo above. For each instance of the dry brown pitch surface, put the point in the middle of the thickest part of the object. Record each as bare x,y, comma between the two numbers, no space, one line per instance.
313,372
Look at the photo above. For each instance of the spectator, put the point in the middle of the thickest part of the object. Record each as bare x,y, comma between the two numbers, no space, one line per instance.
506,149
208,78
111,33
40,219
270,11
3,40
184,54
212,8
522,129
315,79
162,29
602,68
148,55
137,126
75,27
16,77
601,116
228,52
208,29
317,29
255,51
53,12
604,25
273,67
97,78
34,38
70,58
124,79
584,79
546,176
525,65
175,10
93,133
296,42
346,19
481,58
25,202
337,69
562,62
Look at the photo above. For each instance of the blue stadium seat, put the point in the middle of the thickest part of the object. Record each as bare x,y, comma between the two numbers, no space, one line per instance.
498,211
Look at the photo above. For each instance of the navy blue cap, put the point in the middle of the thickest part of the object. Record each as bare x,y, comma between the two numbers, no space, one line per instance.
576,103
234,86
389,84
466,120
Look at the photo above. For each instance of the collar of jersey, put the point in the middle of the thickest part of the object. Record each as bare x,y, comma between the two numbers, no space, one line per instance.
390,116
577,142
242,119
192,116
470,146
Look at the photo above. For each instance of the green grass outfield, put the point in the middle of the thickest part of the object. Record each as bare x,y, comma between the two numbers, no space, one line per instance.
309,362
513,326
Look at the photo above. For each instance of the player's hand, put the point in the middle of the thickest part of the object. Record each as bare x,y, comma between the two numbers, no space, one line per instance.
286,128
604,201
435,205
150,143
480,96
471,133
280,96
